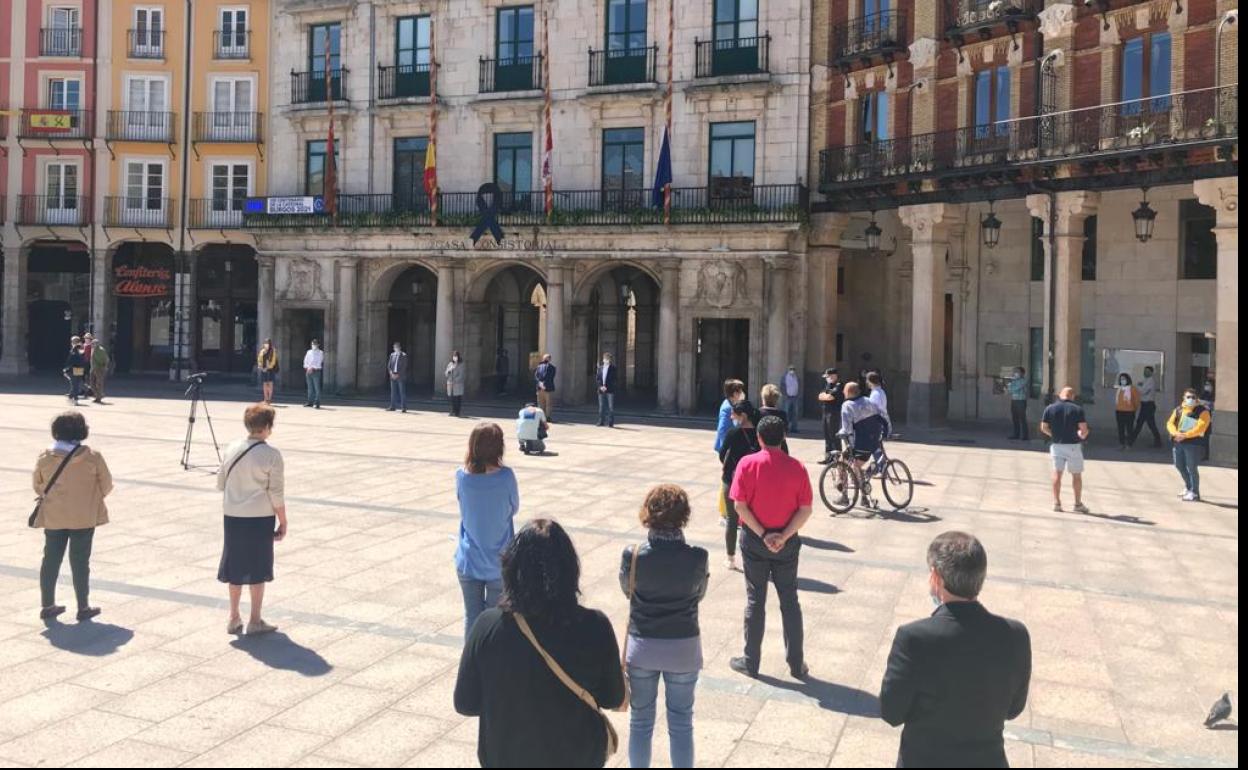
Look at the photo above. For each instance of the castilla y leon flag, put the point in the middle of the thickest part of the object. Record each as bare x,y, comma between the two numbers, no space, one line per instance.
431,168
331,170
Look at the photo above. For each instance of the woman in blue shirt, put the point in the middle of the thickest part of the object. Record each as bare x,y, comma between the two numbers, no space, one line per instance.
734,391
488,500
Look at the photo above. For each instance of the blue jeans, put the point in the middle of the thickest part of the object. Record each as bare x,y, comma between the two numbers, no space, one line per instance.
479,596
398,394
606,409
1187,456
790,411
314,378
644,687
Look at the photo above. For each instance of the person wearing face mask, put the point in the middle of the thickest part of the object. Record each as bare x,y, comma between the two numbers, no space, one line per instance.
396,371
313,372
1126,404
1016,387
604,380
955,678
1148,409
455,383
1189,426
741,440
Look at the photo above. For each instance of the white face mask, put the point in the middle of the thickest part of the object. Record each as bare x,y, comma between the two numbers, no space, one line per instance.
1189,401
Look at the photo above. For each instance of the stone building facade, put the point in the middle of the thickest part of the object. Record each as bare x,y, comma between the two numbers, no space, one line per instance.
717,291
932,122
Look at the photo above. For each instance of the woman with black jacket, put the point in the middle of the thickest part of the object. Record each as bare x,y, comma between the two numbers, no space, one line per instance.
665,579
741,440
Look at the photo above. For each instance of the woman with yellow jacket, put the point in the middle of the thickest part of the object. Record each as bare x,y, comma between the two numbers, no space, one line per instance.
266,364
1126,404
1189,432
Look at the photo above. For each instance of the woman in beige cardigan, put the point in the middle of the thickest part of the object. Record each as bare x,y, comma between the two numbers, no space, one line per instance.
70,511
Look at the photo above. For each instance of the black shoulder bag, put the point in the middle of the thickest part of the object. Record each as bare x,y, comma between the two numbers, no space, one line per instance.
30,522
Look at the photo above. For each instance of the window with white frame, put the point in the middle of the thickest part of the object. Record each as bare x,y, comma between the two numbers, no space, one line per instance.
147,115
233,109
60,204
149,32
65,94
231,184
145,192
232,34
63,36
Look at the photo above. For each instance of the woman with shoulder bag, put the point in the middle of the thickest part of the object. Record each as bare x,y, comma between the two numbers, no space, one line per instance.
71,481
539,668
665,579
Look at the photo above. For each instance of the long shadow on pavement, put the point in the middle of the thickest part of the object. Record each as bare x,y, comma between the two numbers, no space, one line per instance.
279,651
831,696
91,639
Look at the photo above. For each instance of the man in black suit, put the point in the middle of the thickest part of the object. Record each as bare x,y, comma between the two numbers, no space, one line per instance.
953,679
604,380
396,370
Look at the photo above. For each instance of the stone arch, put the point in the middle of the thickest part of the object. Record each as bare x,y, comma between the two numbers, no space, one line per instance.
604,319
587,282
401,306
505,310
480,283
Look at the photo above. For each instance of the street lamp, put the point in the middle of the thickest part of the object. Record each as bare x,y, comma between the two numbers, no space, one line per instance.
626,291
990,227
1144,218
873,233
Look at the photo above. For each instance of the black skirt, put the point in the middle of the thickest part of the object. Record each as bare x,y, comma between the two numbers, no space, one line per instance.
248,555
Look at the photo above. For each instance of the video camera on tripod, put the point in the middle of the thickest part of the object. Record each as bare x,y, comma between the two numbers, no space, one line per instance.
194,390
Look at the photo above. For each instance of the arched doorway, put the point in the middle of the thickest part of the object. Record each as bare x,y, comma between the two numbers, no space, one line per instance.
618,313
507,314
58,287
411,320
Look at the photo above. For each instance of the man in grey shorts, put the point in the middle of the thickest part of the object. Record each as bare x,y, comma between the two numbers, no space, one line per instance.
1067,428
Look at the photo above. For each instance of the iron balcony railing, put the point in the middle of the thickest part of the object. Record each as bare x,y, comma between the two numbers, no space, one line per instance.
403,81
52,123
60,41
142,211
520,73
228,127
963,16
217,213
875,34
618,66
141,126
732,56
145,43
1198,117
53,210
231,44
310,87
572,208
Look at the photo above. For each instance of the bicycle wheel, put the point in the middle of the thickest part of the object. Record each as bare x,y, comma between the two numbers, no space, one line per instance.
839,486
897,483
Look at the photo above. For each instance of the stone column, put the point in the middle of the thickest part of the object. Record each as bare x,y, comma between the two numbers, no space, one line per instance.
669,327
1223,196
444,326
929,224
1064,285
13,358
347,332
1057,25
101,284
554,329
778,310
823,261
264,304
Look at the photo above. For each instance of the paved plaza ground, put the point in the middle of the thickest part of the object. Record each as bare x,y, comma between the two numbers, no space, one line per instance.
1133,611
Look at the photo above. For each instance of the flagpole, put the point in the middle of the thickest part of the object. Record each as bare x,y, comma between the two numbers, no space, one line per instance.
433,124
671,65
331,169
549,143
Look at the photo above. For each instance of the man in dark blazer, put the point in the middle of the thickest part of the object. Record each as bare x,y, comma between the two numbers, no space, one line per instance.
544,376
953,679
396,372
604,380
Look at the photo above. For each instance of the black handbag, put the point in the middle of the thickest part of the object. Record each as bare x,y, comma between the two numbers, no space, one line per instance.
30,522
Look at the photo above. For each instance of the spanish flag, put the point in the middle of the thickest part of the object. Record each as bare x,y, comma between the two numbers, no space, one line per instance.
431,169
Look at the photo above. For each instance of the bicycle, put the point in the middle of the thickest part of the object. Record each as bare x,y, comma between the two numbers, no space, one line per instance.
842,484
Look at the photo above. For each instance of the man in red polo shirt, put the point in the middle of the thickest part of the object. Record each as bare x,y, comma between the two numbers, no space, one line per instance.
773,496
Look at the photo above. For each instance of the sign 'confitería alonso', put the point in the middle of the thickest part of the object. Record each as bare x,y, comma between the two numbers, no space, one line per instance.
141,281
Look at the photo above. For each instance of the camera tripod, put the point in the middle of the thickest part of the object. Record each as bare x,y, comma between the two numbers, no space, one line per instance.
195,391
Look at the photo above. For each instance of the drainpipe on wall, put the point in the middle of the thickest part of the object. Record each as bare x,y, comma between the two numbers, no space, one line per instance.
95,95
372,89
182,260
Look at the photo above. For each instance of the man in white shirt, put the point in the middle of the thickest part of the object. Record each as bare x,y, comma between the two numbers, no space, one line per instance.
531,429
880,399
313,373
791,385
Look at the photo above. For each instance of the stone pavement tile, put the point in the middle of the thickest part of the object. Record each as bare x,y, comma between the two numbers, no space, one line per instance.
1081,671
33,675
401,673
47,705
170,696
286,688
435,699
1071,702
1180,733
262,746
1073,729
136,671
89,646
316,760
132,753
713,740
15,651
725,706
387,739
796,726
64,742
750,754
334,710
208,724
1119,634
1157,664
446,753
1049,756
360,650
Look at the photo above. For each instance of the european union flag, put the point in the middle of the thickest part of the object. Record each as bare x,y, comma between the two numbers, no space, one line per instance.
663,174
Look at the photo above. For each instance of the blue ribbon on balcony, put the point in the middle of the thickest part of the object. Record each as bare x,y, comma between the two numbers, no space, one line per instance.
489,213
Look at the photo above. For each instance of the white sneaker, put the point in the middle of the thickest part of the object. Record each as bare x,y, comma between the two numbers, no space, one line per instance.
1190,497
1184,493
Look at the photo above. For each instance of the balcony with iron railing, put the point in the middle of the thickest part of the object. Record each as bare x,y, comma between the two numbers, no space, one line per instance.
732,56
403,81
53,210
60,41
145,43
227,127
314,88
862,39
520,73
52,124
139,211
739,203
965,17
217,213
1183,120
231,44
621,66
141,126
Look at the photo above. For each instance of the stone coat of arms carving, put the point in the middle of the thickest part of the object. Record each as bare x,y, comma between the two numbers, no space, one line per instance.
304,280
720,284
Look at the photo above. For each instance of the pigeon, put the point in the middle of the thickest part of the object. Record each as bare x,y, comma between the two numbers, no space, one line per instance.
1220,711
